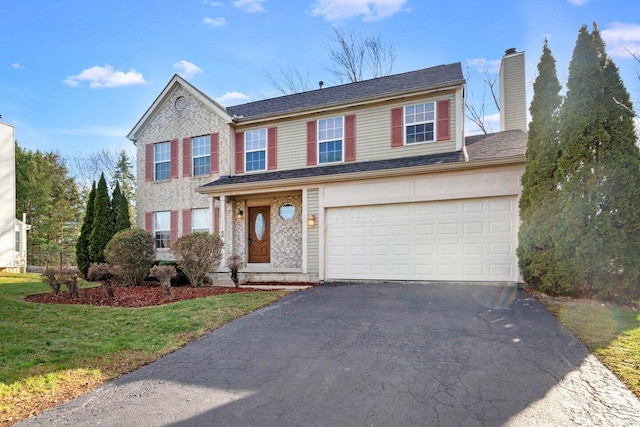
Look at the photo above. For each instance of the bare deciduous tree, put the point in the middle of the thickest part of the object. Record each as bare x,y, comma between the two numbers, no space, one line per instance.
288,79
355,58
475,109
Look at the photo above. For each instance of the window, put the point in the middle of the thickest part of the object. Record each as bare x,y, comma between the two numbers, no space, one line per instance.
255,148
162,229
201,154
330,140
419,122
200,220
162,160
17,241
287,211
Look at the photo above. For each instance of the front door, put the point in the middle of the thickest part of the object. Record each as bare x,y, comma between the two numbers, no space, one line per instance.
258,235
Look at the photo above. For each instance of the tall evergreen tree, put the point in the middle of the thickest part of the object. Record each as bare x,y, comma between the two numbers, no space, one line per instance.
120,208
535,248
598,177
83,255
123,173
103,226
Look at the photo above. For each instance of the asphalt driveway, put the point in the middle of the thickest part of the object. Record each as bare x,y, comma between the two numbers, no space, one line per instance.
370,355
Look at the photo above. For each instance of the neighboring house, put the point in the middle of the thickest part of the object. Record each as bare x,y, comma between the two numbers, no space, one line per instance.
13,232
372,180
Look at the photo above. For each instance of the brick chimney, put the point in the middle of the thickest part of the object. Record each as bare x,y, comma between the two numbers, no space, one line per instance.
513,93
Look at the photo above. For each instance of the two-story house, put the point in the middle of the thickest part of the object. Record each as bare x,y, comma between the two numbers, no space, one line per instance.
373,180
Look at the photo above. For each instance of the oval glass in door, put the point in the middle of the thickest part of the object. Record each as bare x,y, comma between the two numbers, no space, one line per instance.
259,226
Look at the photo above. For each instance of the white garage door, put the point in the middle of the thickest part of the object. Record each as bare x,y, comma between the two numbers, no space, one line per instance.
462,240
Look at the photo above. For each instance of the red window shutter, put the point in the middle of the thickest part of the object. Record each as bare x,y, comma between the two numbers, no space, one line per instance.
443,111
240,152
174,227
397,131
350,138
216,220
186,156
272,141
148,222
148,162
186,221
215,153
311,143
174,158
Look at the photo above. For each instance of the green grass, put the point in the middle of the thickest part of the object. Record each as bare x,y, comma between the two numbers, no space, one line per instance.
40,342
610,332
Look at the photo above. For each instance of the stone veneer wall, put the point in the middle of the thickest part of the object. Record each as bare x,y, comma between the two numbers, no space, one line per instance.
286,235
178,193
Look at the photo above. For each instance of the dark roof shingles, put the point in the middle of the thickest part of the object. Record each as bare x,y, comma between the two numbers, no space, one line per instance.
397,83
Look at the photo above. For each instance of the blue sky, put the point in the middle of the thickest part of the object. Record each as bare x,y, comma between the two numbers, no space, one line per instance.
76,75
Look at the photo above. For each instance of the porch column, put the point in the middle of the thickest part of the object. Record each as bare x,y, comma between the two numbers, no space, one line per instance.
222,225
305,231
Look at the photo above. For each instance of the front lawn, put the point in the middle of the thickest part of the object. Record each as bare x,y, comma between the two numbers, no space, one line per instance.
610,332
52,352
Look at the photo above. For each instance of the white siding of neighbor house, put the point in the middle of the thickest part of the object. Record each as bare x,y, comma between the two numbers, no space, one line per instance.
7,196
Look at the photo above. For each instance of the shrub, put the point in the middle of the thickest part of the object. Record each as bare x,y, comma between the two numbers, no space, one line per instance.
180,278
131,251
56,277
164,274
106,275
234,263
197,254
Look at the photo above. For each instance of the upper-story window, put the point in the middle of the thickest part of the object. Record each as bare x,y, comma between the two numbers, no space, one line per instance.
330,140
255,149
200,220
419,120
162,160
162,229
201,155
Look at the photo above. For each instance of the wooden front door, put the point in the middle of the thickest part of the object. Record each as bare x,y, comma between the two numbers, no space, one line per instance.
258,235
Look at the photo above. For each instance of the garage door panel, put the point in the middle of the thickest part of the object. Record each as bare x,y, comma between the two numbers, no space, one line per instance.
447,240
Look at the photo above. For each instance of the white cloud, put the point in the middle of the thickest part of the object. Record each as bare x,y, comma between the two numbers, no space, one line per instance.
370,10
249,6
232,98
16,66
186,69
578,2
622,38
214,3
99,77
483,64
215,22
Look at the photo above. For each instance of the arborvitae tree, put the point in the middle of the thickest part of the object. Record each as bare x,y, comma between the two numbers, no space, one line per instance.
120,208
598,178
538,181
103,226
123,173
83,254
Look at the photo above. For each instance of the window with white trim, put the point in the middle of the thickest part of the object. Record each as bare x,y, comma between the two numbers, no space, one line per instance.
330,140
255,149
419,121
201,155
162,229
200,220
162,160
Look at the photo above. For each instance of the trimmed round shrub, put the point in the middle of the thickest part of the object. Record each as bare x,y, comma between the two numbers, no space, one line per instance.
132,252
197,254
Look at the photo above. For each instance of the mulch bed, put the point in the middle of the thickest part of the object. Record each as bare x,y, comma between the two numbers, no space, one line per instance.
141,296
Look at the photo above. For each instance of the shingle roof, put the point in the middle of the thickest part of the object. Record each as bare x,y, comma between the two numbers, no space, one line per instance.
426,78
480,147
